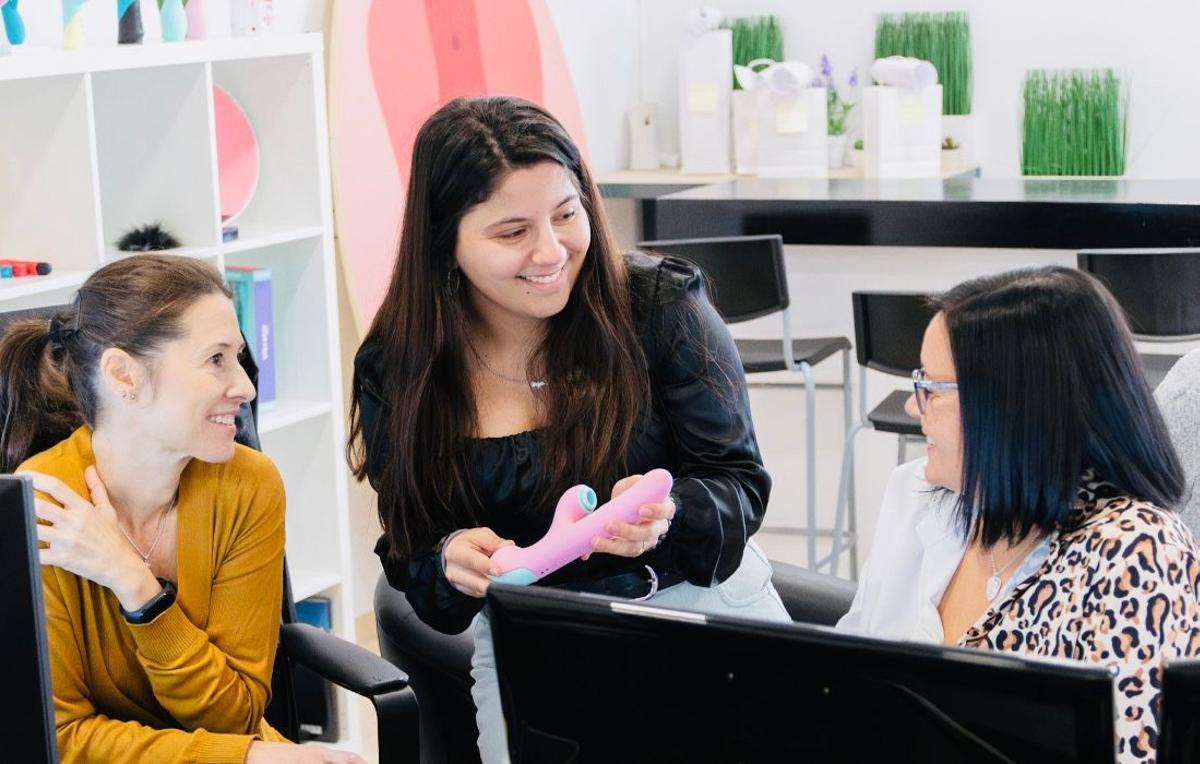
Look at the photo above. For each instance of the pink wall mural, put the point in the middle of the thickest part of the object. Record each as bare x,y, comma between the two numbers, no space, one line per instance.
392,64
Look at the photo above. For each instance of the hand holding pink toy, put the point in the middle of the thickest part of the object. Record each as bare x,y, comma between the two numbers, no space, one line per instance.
629,524
468,559
636,538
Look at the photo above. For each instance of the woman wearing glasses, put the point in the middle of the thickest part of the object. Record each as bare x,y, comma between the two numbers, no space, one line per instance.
1041,520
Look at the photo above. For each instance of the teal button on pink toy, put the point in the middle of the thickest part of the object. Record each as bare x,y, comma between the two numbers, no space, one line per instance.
576,522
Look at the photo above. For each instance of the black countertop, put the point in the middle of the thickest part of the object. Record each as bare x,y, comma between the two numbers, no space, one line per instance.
959,212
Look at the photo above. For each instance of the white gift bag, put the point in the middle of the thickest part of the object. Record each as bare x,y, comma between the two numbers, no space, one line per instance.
902,131
793,134
705,89
745,115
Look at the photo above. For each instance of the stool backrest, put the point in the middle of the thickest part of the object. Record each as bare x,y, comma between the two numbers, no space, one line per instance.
889,328
746,274
1159,289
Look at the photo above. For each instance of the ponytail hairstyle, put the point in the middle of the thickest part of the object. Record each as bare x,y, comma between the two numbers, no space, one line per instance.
48,368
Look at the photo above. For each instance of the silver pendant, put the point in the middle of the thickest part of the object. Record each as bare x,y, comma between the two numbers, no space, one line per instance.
992,588
537,384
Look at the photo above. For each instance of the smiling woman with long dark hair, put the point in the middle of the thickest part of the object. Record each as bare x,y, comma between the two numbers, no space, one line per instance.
518,353
1042,519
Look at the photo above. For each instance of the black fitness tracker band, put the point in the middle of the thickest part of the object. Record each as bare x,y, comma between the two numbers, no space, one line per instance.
154,608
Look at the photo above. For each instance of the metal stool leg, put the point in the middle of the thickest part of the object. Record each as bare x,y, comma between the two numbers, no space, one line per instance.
810,448
851,507
843,496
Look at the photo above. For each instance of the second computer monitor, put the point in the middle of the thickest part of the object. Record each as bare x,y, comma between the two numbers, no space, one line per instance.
584,678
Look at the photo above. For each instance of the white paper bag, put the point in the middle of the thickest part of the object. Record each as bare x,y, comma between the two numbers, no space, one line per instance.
902,132
705,90
793,134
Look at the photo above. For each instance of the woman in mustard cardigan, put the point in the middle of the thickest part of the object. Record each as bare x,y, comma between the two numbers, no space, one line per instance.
162,540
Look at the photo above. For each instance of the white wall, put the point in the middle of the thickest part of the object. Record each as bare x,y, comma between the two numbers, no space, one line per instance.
1151,42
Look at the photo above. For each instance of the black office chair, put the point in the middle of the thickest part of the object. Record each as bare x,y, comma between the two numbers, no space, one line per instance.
748,280
888,330
1159,290
302,646
439,665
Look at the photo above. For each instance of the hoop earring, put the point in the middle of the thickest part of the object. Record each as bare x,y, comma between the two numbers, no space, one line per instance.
453,281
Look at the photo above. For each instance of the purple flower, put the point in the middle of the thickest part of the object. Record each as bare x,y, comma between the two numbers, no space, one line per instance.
854,78
826,67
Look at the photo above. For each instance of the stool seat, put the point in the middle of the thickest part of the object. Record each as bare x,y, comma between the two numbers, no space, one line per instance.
890,416
767,355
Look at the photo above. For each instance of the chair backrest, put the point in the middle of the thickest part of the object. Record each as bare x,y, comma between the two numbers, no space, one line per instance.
746,274
1157,288
889,328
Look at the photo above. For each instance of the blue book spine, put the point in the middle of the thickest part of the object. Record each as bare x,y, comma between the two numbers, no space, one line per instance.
252,301
315,611
264,338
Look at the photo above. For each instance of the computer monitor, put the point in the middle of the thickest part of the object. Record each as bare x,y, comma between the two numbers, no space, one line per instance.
586,678
27,731
1179,738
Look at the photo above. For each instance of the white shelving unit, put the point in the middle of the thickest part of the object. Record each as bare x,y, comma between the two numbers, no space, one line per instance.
94,142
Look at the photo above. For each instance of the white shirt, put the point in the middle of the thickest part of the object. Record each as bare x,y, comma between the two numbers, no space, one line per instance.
916,550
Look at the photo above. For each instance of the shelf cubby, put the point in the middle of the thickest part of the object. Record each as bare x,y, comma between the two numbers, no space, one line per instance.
156,150
48,193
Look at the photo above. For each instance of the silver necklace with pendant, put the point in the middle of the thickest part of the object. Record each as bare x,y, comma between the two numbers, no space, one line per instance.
994,584
157,533
534,384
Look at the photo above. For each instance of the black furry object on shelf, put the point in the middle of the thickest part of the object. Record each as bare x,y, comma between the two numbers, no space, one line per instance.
147,238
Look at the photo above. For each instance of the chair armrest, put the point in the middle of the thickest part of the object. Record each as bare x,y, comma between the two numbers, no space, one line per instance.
343,663
812,597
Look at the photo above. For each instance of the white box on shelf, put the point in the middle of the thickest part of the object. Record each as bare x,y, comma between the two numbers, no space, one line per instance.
793,134
902,131
705,88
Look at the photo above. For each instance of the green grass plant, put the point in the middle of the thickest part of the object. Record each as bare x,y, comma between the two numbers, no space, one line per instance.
942,39
1074,122
755,37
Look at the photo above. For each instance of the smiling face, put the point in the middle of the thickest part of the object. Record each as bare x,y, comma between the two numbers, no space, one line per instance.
521,250
188,401
941,422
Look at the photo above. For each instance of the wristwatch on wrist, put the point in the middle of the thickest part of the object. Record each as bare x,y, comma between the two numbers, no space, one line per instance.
154,608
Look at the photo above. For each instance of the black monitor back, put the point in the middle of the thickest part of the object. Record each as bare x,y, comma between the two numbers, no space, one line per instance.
585,678
27,723
1180,731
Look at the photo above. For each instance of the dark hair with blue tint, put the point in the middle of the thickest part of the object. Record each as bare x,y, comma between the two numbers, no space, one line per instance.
1050,385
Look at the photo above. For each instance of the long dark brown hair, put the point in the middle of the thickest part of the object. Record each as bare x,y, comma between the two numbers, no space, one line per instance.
48,367
590,352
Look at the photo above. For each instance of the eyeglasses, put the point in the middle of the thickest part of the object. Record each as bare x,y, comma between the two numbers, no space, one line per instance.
922,387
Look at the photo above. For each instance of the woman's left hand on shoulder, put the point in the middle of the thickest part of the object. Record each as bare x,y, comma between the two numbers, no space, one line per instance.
635,539
86,540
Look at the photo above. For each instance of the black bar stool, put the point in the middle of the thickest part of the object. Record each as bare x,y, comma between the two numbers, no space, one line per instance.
888,330
1159,290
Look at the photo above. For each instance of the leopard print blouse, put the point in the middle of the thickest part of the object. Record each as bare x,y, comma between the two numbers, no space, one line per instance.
1118,587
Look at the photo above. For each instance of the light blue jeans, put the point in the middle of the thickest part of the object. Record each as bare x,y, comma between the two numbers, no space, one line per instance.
748,593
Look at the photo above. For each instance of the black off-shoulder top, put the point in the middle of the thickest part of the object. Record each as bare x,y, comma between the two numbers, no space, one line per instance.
698,427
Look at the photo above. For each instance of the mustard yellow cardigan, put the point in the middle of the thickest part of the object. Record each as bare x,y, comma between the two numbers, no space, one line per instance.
190,686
